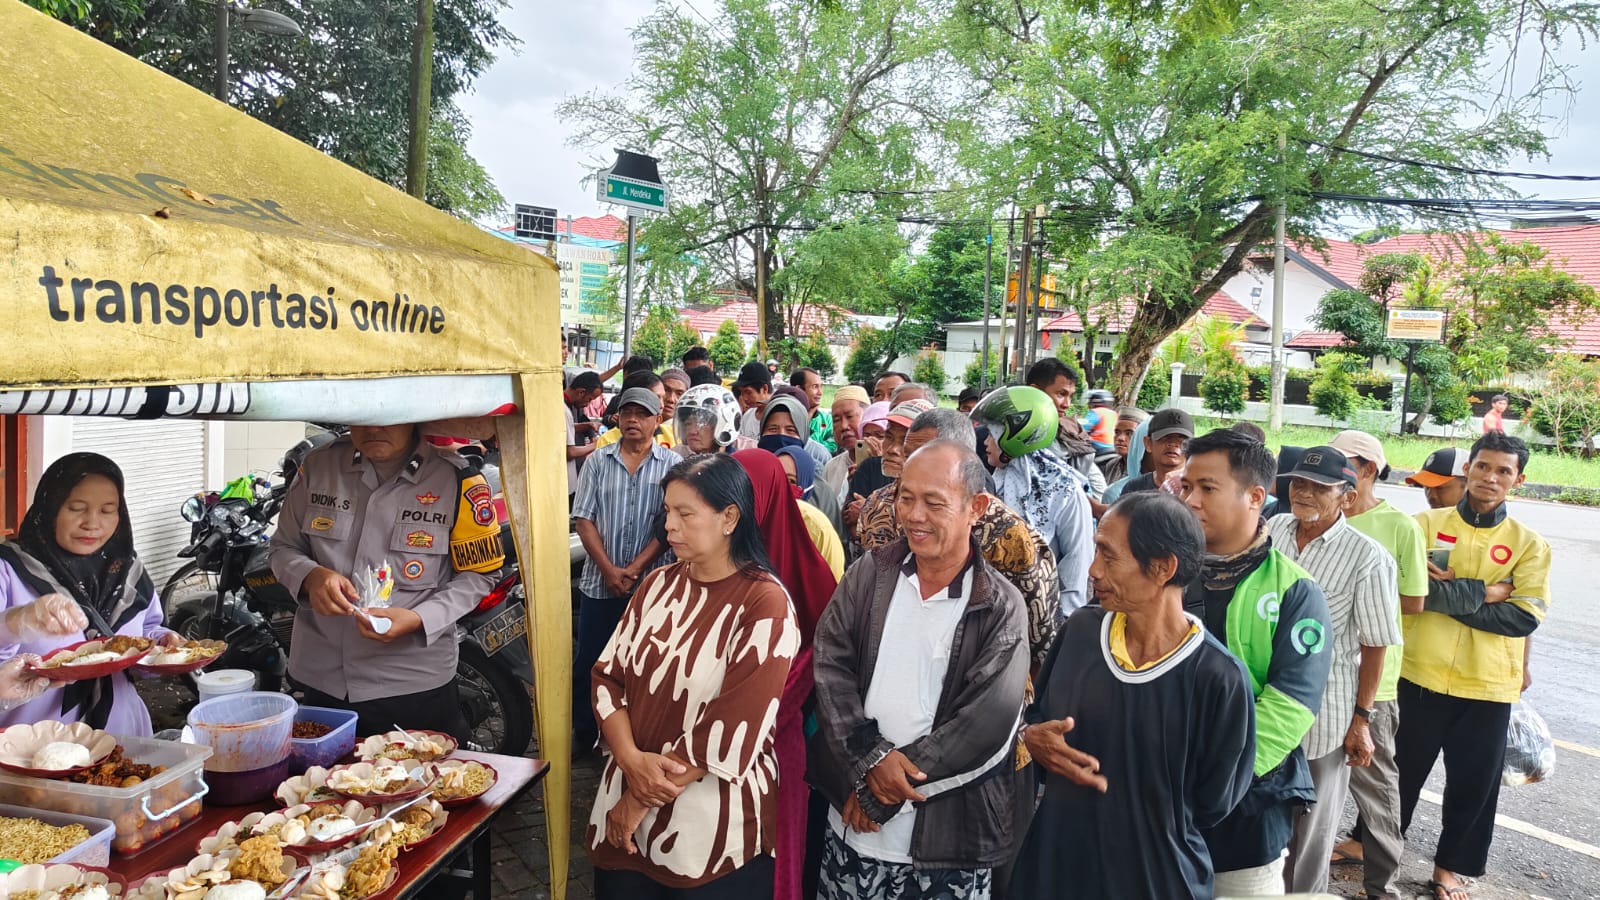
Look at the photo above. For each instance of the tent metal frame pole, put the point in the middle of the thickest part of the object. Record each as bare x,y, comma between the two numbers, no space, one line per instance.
219,45
627,297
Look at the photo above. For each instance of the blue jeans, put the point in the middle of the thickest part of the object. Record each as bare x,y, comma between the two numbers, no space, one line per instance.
597,619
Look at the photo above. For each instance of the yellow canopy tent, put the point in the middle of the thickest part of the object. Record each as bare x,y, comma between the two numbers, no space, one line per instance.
165,254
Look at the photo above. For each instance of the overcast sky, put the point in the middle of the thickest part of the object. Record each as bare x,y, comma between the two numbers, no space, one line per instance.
574,47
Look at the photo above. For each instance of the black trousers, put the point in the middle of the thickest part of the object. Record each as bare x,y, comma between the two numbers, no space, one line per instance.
435,710
752,881
1472,736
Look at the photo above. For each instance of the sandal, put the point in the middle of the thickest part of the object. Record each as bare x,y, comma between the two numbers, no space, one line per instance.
1341,858
1442,891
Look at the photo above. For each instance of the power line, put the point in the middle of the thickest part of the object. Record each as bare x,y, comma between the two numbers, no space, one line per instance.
1446,167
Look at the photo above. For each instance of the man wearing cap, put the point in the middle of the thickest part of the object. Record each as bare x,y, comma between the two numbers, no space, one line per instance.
1357,578
1443,477
1271,615
876,512
753,388
1169,429
1115,467
614,514
1375,842
849,402
1463,661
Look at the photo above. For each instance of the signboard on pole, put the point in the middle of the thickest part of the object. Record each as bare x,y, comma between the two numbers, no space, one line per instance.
584,271
1414,324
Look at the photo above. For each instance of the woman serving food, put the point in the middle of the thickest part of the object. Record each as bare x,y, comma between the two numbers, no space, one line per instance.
76,543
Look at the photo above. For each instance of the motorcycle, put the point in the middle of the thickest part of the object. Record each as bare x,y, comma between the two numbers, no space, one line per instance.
228,592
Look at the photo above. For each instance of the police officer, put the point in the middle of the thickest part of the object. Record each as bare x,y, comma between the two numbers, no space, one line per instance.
384,495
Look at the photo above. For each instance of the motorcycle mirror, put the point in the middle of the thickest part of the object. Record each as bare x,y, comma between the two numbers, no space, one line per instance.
193,510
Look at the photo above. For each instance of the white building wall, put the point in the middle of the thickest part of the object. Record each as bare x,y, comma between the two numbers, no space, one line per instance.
1302,289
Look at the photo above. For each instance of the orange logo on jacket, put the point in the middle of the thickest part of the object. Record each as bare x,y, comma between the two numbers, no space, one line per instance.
482,500
419,539
428,499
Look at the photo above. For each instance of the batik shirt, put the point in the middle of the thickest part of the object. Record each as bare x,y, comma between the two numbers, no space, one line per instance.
699,668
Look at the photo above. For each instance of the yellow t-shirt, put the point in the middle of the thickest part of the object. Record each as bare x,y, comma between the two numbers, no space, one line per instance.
824,537
1118,638
664,436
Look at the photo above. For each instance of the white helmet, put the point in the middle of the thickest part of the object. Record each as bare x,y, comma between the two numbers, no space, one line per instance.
707,404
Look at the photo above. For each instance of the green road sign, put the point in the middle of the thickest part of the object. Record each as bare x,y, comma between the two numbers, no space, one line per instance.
637,194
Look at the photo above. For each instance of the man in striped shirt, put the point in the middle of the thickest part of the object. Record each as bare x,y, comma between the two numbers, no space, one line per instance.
614,514
1357,576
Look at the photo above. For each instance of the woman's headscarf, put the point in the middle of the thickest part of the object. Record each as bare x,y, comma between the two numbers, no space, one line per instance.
1034,485
795,560
875,414
110,584
805,470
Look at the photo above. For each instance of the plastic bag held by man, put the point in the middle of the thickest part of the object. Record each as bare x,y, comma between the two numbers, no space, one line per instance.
1530,751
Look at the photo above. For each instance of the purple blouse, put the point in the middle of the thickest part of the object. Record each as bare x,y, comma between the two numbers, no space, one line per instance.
128,713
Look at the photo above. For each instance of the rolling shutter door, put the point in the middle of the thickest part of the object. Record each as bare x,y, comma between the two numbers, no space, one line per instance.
163,462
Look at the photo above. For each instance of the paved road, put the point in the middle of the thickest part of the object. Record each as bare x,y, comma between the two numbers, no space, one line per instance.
1548,843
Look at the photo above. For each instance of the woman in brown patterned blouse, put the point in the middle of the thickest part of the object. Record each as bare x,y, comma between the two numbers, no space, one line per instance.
686,694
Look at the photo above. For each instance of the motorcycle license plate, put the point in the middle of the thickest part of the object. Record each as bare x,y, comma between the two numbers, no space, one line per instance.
510,625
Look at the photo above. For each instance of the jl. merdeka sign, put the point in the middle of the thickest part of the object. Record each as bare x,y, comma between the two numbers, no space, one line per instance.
634,182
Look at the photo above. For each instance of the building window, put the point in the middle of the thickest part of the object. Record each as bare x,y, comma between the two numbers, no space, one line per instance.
13,472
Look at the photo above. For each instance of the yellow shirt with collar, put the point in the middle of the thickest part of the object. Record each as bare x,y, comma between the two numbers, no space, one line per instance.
1448,657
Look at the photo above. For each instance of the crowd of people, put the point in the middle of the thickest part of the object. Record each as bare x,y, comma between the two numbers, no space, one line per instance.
888,649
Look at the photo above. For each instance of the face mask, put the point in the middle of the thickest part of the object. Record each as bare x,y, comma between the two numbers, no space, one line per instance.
772,443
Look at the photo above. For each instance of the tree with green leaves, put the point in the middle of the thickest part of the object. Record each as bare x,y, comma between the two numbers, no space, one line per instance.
1500,297
771,120
726,348
344,88
929,369
663,335
1162,138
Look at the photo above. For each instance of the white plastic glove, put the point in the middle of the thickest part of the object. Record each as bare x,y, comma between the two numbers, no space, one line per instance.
17,686
52,615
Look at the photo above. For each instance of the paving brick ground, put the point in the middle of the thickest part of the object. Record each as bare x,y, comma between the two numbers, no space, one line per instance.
520,854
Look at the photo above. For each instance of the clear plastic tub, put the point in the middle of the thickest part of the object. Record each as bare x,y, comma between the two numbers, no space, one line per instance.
246,731
143,813
94,852
327,750
223,682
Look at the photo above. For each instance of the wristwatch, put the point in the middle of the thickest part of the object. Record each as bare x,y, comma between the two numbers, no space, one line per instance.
1364,712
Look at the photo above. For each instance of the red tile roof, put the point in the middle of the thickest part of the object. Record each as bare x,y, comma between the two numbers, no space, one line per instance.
602,228
1573,248
1220,305
1317,340
707,321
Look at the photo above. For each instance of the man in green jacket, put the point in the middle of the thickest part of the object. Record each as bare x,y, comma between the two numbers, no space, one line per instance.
1274,618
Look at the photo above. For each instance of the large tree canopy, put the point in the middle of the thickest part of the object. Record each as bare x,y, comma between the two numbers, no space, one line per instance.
778,119
1153,133
342,88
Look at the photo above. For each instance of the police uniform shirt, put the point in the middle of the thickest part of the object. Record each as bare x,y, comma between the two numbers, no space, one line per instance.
434,523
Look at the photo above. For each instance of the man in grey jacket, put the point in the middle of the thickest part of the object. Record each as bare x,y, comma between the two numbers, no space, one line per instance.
921,663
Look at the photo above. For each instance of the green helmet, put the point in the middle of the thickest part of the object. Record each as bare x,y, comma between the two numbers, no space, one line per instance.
1022,419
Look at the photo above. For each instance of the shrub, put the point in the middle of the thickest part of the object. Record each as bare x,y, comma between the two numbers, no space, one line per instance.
1156,388
1568,409
1225,389
813,352
1333,393
970,375
929,369
726,348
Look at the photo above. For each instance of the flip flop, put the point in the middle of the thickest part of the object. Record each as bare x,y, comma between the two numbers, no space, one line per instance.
1441,891
1341,858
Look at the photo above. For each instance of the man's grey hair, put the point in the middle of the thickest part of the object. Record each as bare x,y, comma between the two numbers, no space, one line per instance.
949,425
969,469
899,395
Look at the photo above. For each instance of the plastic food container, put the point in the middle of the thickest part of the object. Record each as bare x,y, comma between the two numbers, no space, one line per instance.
144,813
94,852
247,731
327,750
223,682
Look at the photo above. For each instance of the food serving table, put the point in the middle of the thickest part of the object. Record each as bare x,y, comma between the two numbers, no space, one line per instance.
458,854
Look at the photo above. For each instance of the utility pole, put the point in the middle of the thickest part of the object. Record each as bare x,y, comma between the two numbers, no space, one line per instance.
988,264
1024,279
1038,286
421,104
1275,404
1005,295
219,45
627,290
